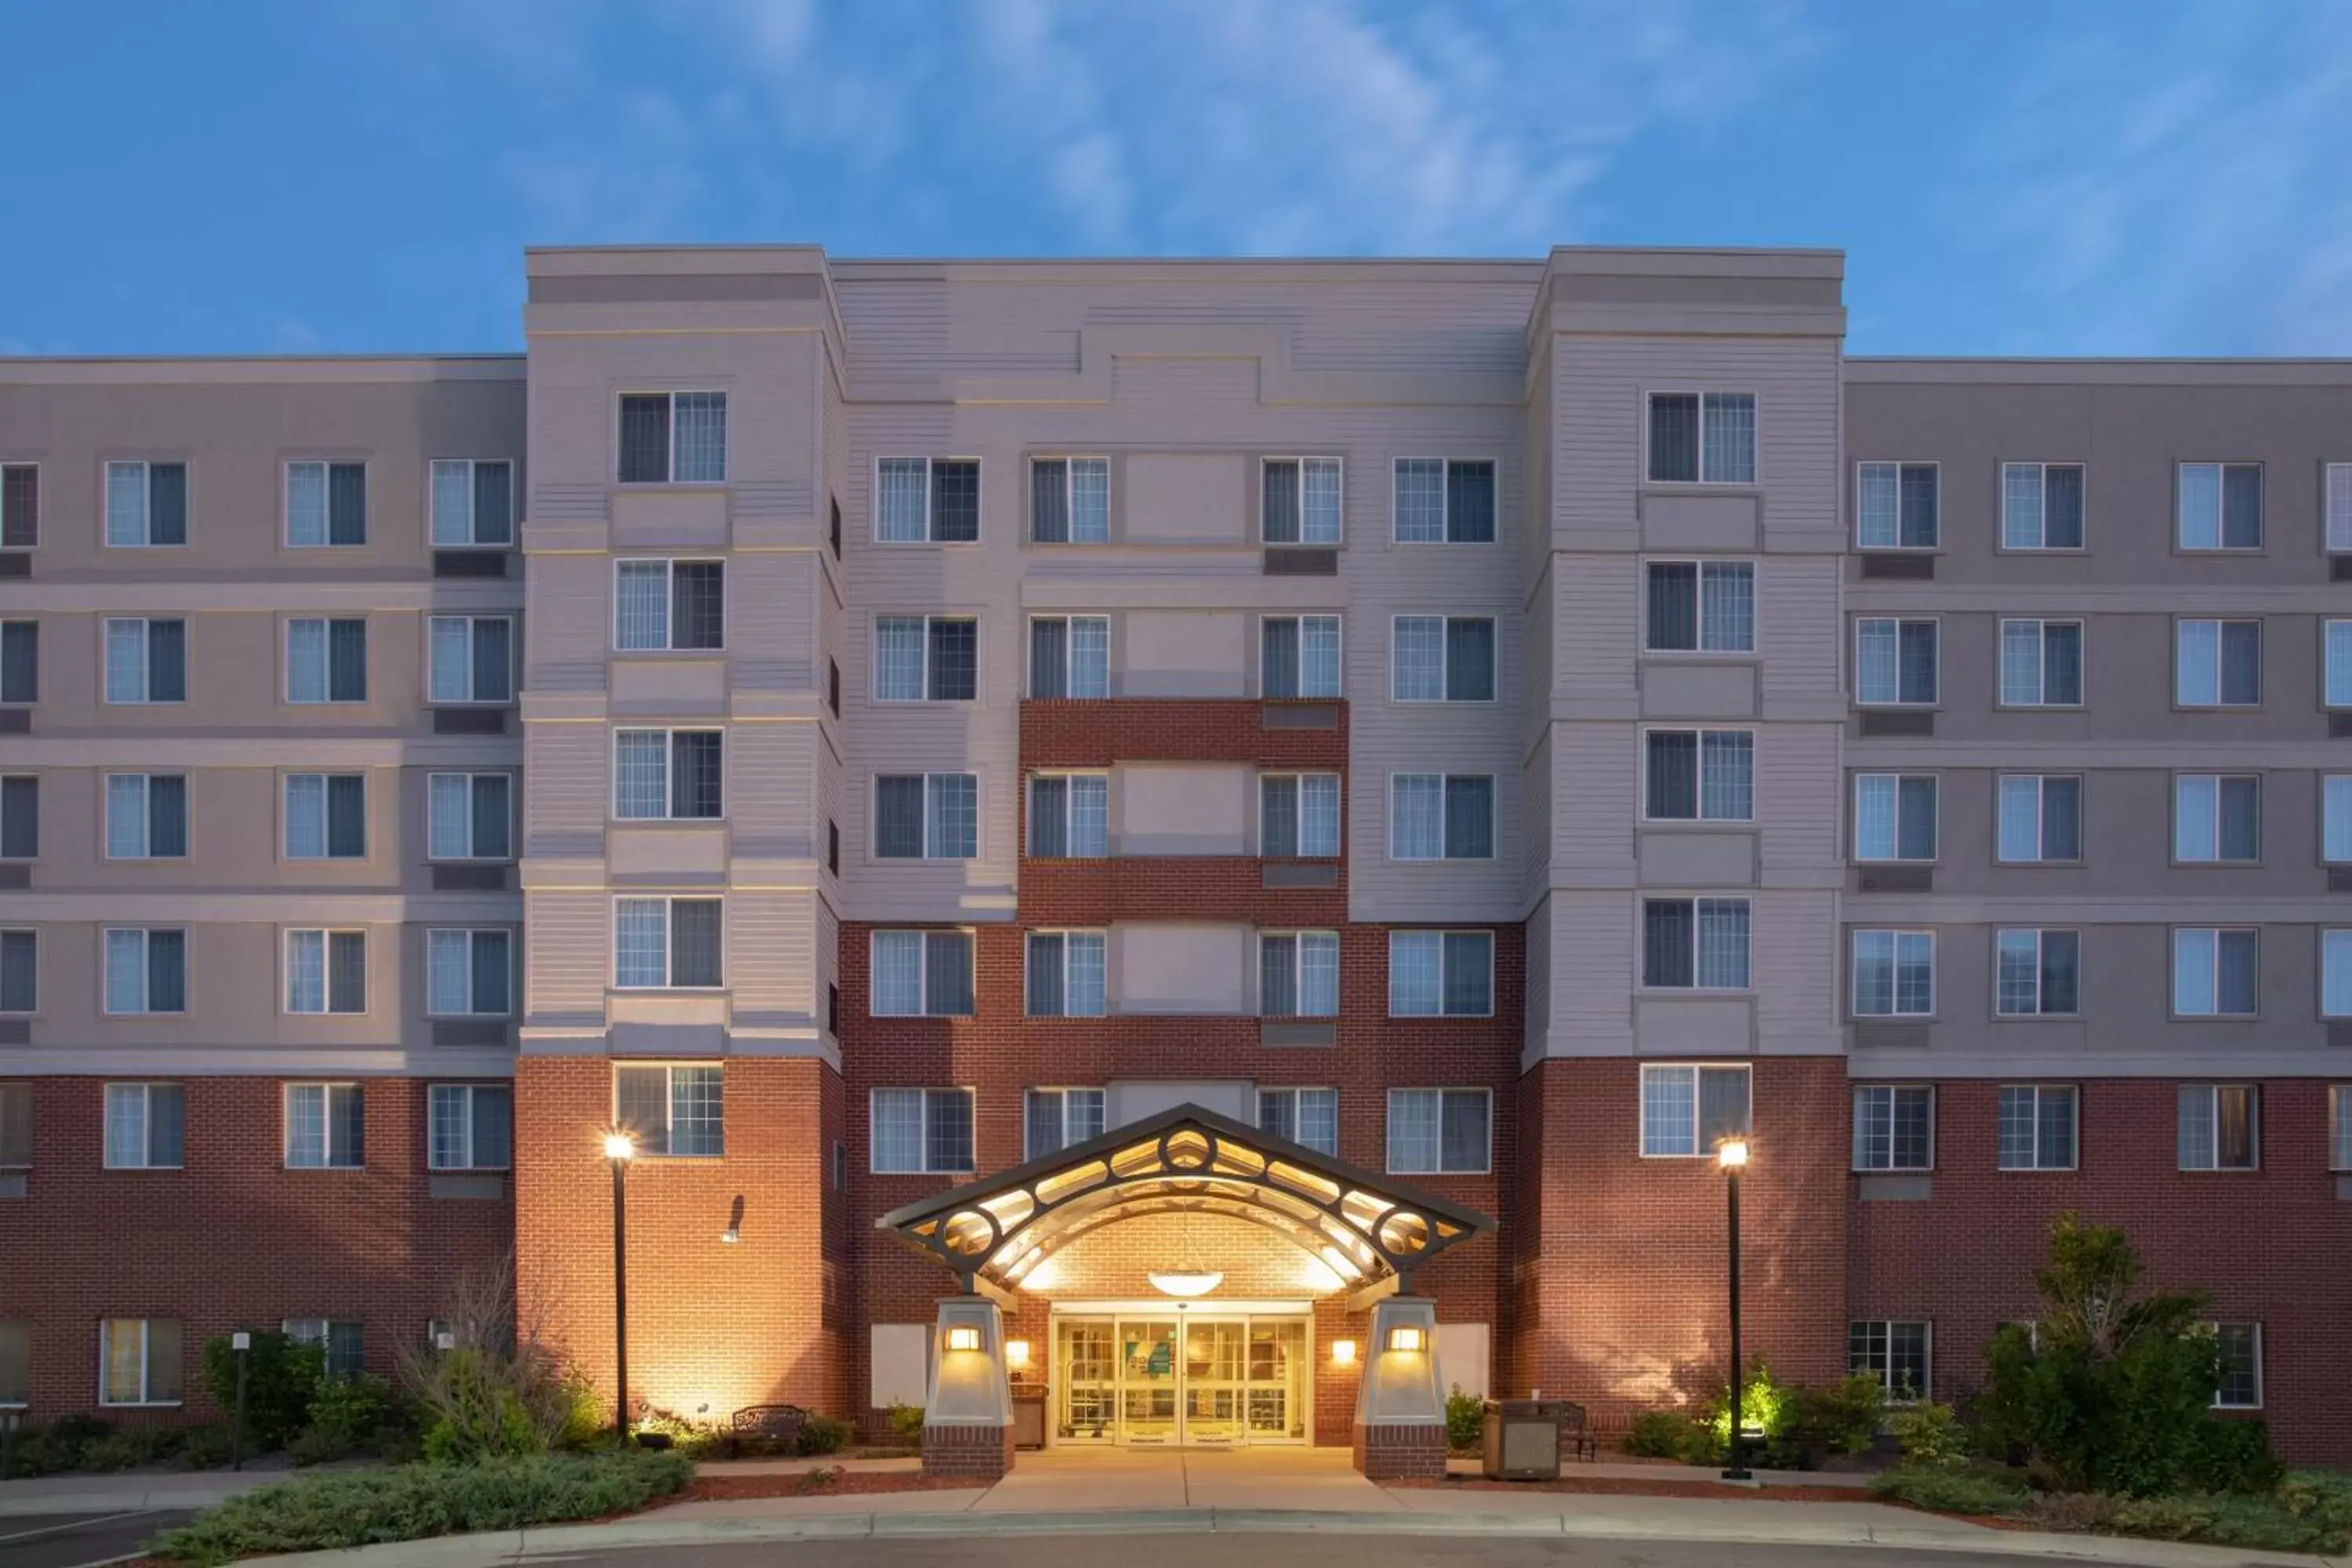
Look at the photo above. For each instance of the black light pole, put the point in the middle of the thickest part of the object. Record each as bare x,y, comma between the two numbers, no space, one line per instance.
241,1342
1731,1155
619,1149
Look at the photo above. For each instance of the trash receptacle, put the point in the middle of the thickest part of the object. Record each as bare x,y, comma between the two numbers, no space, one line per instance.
1522,1439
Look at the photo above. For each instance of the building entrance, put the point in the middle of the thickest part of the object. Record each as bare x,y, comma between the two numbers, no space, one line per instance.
1156,1377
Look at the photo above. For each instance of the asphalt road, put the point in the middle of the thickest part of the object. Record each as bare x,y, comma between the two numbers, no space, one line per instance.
79,1539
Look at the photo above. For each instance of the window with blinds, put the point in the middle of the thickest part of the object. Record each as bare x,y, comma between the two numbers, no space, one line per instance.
1894,816
679,605
921,973
1441,973
1069,501
147,661
146,505
673,438
326,504
325,972
326,661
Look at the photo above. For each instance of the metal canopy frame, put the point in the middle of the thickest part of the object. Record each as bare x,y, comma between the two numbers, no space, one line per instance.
1187,1159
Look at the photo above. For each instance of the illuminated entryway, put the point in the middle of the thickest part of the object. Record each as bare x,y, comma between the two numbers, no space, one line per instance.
1142,1375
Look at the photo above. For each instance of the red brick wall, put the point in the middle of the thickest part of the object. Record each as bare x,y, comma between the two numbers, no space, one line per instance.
1092,733
1157,887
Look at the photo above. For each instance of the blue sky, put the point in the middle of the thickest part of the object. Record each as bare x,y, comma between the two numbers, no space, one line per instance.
2062,176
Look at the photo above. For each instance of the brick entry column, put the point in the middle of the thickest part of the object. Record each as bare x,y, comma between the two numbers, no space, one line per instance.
968,1415
1399,1410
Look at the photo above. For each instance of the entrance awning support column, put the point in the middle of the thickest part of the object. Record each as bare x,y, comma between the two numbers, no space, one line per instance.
1399,1410
968,1411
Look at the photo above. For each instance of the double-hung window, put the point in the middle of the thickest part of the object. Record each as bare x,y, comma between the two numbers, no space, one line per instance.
1695,944
146,661
1700,775
2041,818
1895,1351
1306,1117
326,816
2218,664
926,816
1069,501
1703,437
2216,819
20,506
2221,1127
1444,500
469,1126
1895,1127
326,661
326,1126
20,817
669,606
1069,656
1441,973
20,976
469,817
922,1132
146,816
2037,972
1687,1111
468,973
2042,506
472,659
1700,606
1298,656
342,1345
927,500
1300,500
20,662
1440,1132
2338,484
2335,674
2336,973
675,1110
2239,1386
139,1361
1053,1119
2037,1126
1441,658
1896,506
1298,974
2041,664
146,1126
325,972
2221,506
668,773
326,504
1298,816
473,503
1893,973
146,504
928,659
1066,974
667,944
1441,816
673,438
2214,971
1893,661
146,971
922,975
1069,817
1894,816
2336,818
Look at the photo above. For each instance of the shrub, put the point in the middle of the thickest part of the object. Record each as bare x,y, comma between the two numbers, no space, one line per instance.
2233,1456
280,1376
907,1422
348,1416
825,1434
205,1448
504,1389
1768,1416
1667,1435
478,1415
118,1451
2165,1518
1844,1418
1930,1435
1466,1421
1972,1490
56,1447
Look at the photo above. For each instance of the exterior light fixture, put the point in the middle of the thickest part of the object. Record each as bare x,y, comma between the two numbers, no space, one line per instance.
1186,1281
620,1146
730,1235
1731,1154
1731,1157
1405,1338
1016,1352
1343,1353
963,1339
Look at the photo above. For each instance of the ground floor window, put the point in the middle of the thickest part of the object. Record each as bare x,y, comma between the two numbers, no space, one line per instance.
139,1361
2240,1386
675,1110
1688,1110
341,1343
15,1363
1894,1351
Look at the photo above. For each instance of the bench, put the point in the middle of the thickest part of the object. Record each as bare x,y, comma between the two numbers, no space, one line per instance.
777,1424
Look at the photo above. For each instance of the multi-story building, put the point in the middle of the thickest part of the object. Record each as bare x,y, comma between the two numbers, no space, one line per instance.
1427,749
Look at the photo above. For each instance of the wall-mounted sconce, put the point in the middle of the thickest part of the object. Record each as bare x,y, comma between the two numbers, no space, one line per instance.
730,1235
1343,1353
1016,1353
963,1339
1406,1338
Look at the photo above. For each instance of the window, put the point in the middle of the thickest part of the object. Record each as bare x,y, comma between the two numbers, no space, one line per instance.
1441,816
20,661
927,500
1301,497
2037,1127
666,943
926,816
921,1131
1703,437
139,1361
2219,664
1688,1110
2337,672
922,974
20,817
326,816
1894,816
1895,1127
1439,1131
326,661
1695,944
1443,658
1054,1120
469,974
473,659
2213,973
676,605
340,1344
2339,1127
2042,506
15,1363
1441,973
146,971
1069,501
326,503
1895,1353
326,1126
667,774
1298,816
2240,1347
1700,775
2338,485
469,1126
2041,818
1069,816
2335,816
2221,506
1444,500
146,661
1895,505
20,506
927,659
2219,1127
325,972
469,817
2041,664
1066,974
1307,1117
1893,973
146,816
146,504
2336,973
1701,606
15,1127
472,502
2036,972
673,438
1298,974
20,973
1298,656
680,1111
146,1126
1893,661
1069,656
2217,816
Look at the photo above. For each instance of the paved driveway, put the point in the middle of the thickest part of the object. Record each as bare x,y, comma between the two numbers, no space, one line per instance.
79,1539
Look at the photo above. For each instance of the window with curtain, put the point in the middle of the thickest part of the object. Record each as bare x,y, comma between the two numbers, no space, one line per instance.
2218,664
2037,1127
472,659
326,1126
1069,656
20,661
1307,1117
1894,816
326,504
2041,817
667,943
1069,816
326,816
1695,943
20,506
325,972
1298,974
2042,506
139,1360
469,817
2217,818
469,1126
2036,972
661,605
668,773
1439,1131
1298,656
2336,973
2219,1127
2041,664
921,973
146,661
680,1111
1298,816
468,973
472,502
1444,500
1700,775
1069,501
146,1126
2221,506
2339,1127
920,658
1300,500
1441,816
2338,484
2339,654
1893,973
921,1131
927,500
1065,972
1441,974
673,438
1894,661
1895,1127
1054,1120
146,970
1443,658
146,816
1896,506
146,505
20,982
1702,437
1687,1109
326,661
2213,972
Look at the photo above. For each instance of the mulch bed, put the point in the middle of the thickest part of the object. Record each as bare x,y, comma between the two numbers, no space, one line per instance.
837,1483
1597,1486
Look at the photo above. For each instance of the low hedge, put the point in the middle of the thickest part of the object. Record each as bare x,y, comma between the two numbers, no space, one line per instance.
410,1502
2308,1510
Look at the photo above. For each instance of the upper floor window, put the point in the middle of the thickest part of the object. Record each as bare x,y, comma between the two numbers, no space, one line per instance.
1069,656
926,816
20,817
668,773
925,1131
2221,1127
472,659
147,661
1701,606
326,661
472,502
20,506
1444,500
1893,661
1298,656
1298,974
2041,664
2037,1127
1066,978
1441,816
922,974
325,972
1443,658
146,504
1895,1127
1054,1120
667,944
927,500
2338,484
146,816
1695,943
2037,972
2218,664
1306,1117
20,661
1440,1132
146,1126
1441,973
326,816
2336,973
677,1110
1069,501
146,971
1687,1111
1893,973
927,658
1069,817
468,973
1896,506
2217,818
1700,775
1703,437
469,1126
677,604
2214,971
2041,818
20,976
2042,506
1301,497
2337,681
1894,816
2336,818
469,817
673,438
15,1133
2339,1127
2221,506
1298,816
326,503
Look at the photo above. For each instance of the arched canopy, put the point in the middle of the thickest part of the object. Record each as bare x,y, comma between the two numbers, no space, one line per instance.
1362,1226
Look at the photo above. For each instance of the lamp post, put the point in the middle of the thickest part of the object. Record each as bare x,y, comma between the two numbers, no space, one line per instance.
1731,1158
619,1150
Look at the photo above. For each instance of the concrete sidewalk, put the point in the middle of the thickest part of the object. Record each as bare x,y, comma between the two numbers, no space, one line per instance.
122,1492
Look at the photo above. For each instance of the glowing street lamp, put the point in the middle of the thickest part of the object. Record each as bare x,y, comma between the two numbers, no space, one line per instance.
1731,1158
619,1150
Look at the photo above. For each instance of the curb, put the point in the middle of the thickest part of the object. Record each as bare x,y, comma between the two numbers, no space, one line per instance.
115,1502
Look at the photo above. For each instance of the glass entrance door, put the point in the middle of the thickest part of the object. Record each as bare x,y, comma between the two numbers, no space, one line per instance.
1214,1361
1149,1380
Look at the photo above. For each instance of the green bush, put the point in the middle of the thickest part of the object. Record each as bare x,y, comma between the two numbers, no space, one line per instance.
56,1447
825,1434
411,1502
348,1416
907,1422
1842,1419
1667,1435
1466,1421
205,1448
119,1451
1930,1435
1972,1490
281,1375
2233,1456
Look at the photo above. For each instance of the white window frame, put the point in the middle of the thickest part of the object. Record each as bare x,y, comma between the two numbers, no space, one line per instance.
1936,828
670,944
1885,1375
1756,452
1698,1149
146,1009
1299,779
472,540
1700,618
1069,495
2336,508
1900,939
146,467
2212,1116
146,815
1029,803
669,395
2334,936
972,1109
471,855
145,1090
2044,1094
38,493
326,817
468,1093
1493,810
2326,786
930,517
1062,1093
1388,1139
2332,695
2042,935
2173,1007
1064,934
669,734
146,1367
432,669
1898,622
2221,467
326,665
2339,1127
34,933
1440,933
326,1007
1444,499
2182,850
923,970
2042,467
1338,662
1445,620
1301,459
929,854
1325,940
2041,783
2181,623
1700,816
1860,469
146,663
473,934
1696,900
1294,1094
1029,654
1893,1093
669,565
328,1147
327,466
2042,697
2215,1328
874,661
670,1117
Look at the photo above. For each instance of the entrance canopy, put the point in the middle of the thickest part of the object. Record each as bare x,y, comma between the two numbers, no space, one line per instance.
1185,1160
